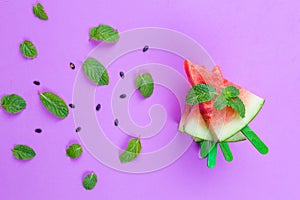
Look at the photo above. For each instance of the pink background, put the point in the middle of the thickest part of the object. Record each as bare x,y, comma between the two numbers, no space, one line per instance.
256,42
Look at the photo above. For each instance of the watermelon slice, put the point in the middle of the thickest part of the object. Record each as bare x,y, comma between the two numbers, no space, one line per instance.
203,121
193,123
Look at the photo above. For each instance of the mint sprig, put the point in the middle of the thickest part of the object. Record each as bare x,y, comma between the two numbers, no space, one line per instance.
200,93
229,97
231,91
221,102
237,104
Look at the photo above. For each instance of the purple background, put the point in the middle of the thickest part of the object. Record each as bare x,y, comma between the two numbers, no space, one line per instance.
256,42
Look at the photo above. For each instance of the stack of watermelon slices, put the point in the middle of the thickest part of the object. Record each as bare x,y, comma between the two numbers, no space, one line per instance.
211,127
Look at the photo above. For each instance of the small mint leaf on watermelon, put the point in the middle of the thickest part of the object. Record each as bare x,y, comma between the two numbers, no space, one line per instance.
237,104
200,93
231,91
221,102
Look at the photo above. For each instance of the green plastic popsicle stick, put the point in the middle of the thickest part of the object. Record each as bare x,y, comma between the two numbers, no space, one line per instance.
255,140
226,151
205,148
212,157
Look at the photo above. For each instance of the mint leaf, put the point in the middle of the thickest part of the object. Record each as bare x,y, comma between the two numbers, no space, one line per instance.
237,104
231,91
23,152
144,84
39,11
133,150
54,104
74,151
13,103
28,49
95,71
229,97
90,181
105,33
200,93
221,102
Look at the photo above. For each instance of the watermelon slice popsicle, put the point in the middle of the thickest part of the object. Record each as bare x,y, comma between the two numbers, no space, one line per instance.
211,127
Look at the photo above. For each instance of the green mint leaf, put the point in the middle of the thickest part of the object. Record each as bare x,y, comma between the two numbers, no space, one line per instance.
105,33
90,181
39,11
237,104
200,93
28,49
13,103
231,91
221,102
74,151
95,71
23,152
133,150
54,104
145,84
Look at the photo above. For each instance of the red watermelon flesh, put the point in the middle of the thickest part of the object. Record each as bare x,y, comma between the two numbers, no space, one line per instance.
200,75
221,124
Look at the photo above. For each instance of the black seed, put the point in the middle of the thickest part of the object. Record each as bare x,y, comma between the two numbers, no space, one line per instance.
98,107
71,105
38,130
122,74
145,48
36,82
123,96
72,66
78,129
116,122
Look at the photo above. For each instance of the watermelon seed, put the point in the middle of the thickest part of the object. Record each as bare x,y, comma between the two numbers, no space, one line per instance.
38,130
71,105
98,107
78,129
123,96
72,66
122,74
36,82
146,47
116,122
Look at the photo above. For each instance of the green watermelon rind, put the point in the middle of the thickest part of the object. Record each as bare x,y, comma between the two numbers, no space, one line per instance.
250,120
227,139
238,137
232,139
